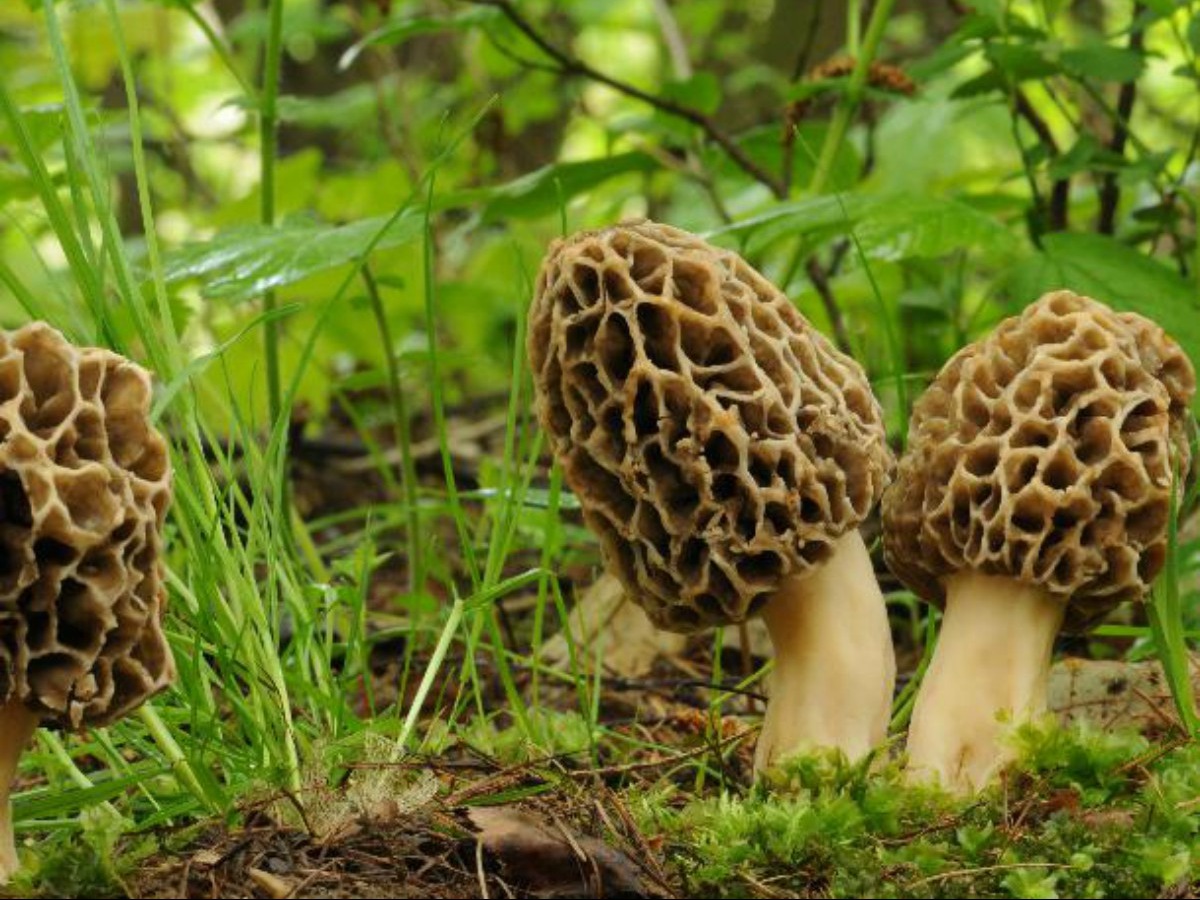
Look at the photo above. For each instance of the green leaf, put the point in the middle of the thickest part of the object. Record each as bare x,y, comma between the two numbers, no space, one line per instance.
1104,63
913,226
702,92
898,226
1104,268
812,217
1022,61
1086,155
243,262
543,190
1011,64
397,32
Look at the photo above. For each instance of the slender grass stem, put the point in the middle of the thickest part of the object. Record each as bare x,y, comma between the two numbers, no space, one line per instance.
268,149
850,100
403,429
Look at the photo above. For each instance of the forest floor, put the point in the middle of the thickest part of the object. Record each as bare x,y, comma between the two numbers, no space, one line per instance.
664,802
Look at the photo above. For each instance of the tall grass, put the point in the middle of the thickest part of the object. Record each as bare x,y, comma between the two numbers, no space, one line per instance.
270,651
271,630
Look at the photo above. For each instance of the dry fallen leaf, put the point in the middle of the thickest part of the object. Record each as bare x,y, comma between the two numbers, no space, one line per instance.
605,623
551,860
272,885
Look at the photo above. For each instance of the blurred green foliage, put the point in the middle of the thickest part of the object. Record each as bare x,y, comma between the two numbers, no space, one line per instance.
993,180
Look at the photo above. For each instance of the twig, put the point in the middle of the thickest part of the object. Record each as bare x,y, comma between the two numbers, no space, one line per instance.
572,66
820,281
1110,191
1060,192
810,37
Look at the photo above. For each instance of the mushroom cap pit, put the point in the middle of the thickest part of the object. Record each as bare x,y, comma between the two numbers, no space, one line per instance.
85,483
1046,452
716,441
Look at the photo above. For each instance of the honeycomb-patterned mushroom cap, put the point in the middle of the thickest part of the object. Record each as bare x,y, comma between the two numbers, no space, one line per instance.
716,441
1045,452
84,488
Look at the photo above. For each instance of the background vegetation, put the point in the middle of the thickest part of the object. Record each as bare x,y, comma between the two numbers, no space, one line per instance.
319,223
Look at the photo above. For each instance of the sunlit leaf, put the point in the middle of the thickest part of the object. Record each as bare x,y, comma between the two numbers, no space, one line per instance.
1104,63
243,262
1104,268
542,191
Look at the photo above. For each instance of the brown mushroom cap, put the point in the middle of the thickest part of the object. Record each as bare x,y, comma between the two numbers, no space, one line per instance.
1044,452
84,488
716,441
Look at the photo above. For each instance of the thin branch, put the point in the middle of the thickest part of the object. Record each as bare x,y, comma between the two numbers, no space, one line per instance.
1060,191
821,282
572,66
800,66
1110,191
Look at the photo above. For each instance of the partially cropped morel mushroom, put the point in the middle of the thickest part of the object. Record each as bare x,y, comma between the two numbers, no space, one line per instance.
84,486
1036,491
725,453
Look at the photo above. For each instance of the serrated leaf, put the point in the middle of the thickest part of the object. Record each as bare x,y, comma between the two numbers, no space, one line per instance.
243,262
1104,63
1104,268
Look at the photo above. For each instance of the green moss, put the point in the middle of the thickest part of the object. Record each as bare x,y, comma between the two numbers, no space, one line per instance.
1084,814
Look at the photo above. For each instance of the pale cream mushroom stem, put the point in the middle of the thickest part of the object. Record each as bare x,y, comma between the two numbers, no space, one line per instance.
17,725
988,676
835,668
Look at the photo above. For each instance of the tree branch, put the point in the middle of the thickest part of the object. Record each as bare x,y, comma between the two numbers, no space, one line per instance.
1110,191
570,65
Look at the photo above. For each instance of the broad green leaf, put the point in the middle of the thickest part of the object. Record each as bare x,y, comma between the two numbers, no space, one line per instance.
899,226
1011,64
243,262
915,226
1104,63
1104,268
812,218
542,191
702,92
1022,61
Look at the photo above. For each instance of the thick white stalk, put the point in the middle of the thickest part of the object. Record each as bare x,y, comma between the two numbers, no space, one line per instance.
988,675
835,668
17,725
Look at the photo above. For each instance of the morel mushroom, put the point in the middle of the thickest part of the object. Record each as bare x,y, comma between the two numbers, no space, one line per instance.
84,487
725,453
1036,491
